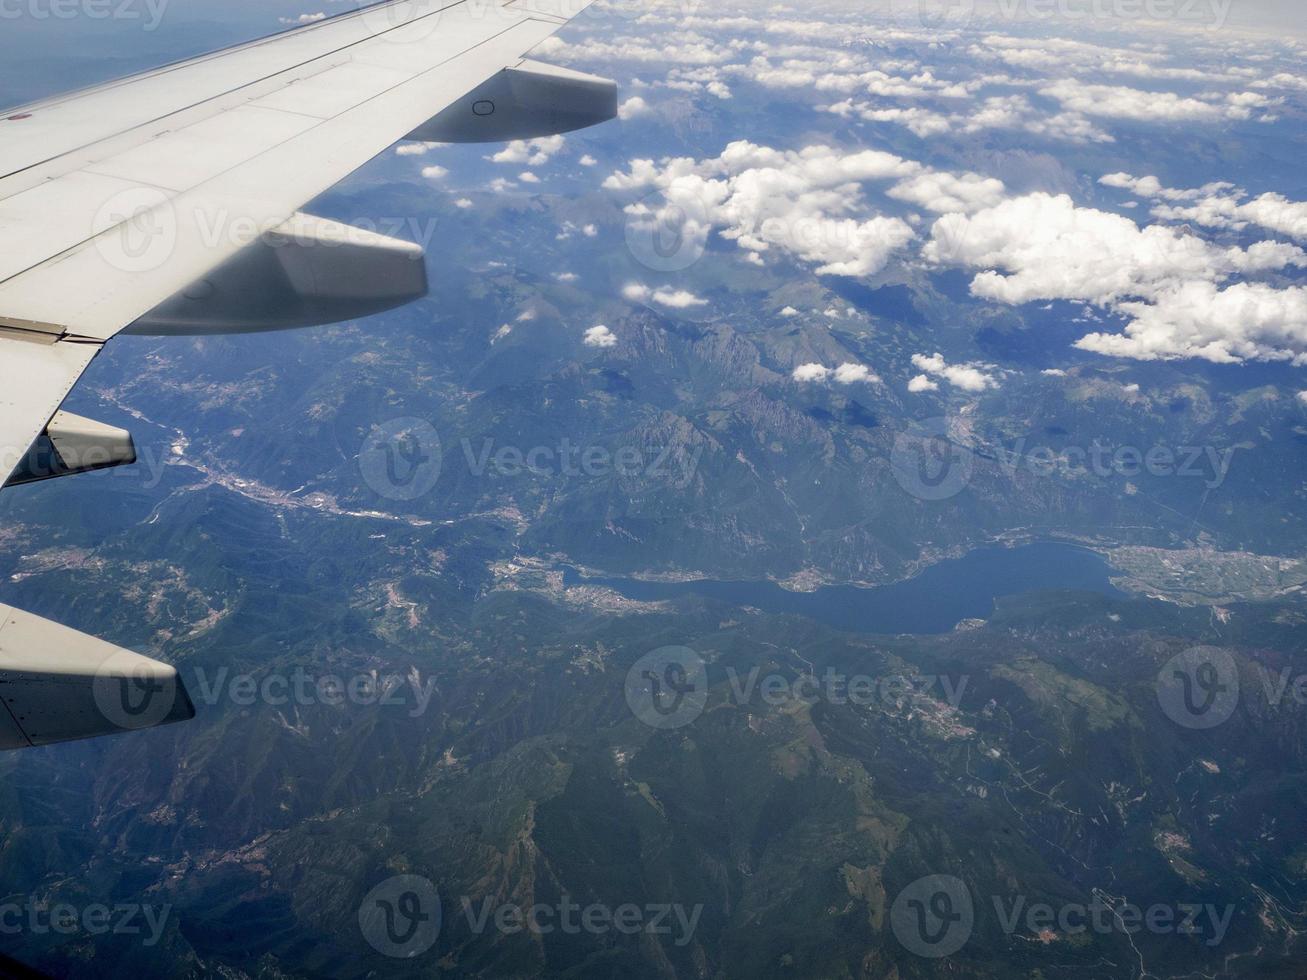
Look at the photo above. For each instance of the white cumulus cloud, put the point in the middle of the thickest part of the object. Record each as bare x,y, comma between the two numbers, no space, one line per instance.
678,299
1122,102
968,377
807,203
534,152
1042,247
946,193
1217,205
632,107
600,336
850,374
417,148
810,372
922,383
847,373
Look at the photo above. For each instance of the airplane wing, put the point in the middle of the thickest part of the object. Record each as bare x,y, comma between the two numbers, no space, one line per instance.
169,203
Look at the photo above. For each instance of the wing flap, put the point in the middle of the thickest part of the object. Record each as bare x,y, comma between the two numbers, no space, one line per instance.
186,158
52,217
36,374
336,90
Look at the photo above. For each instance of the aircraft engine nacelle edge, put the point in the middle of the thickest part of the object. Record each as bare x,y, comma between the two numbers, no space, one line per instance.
306,272
526,101
71,444
59,685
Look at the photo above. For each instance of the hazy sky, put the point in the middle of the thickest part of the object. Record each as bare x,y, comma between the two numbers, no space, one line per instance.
41,53
1067,16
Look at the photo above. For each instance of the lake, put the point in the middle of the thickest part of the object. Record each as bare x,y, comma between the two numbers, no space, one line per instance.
933,602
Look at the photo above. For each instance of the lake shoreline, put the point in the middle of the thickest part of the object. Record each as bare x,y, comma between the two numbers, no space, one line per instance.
934,601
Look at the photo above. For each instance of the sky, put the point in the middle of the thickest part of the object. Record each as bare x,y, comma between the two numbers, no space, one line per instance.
50,45
1274,16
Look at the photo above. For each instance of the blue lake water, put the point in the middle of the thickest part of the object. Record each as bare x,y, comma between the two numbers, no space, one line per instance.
933,602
